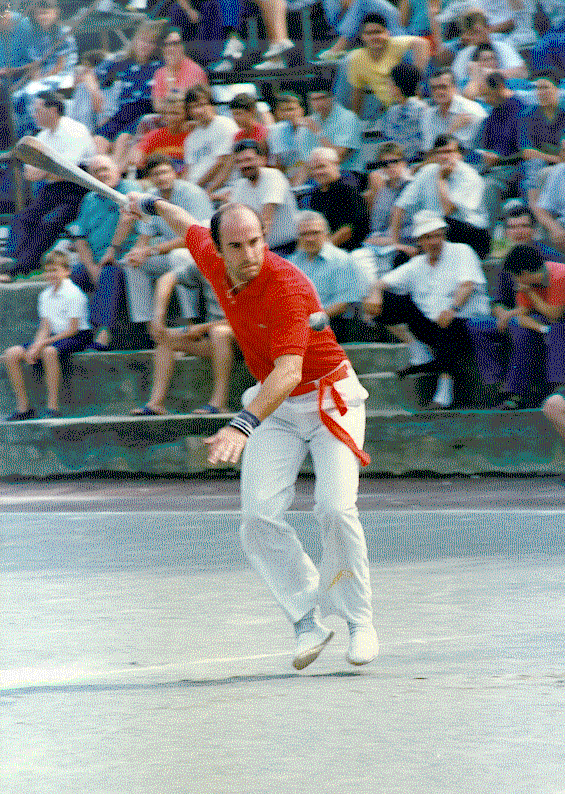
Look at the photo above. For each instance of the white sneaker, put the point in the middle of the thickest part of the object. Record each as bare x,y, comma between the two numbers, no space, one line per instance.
278,49
275,63
233,48
309,645
363,644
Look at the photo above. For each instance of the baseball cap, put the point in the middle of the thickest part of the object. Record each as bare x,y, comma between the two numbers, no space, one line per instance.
426,221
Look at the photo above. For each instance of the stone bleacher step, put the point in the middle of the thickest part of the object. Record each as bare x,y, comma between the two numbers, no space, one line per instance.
444,443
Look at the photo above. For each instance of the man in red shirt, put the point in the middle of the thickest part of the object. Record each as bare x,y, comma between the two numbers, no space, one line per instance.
538,333
167,140
307,399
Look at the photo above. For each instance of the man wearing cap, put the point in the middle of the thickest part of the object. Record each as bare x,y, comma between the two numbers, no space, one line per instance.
433,293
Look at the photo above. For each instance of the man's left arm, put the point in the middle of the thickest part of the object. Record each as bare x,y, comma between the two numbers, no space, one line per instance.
420,53
228,443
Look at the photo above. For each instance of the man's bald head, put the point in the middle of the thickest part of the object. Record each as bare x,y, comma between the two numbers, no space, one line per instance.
237,233
105,169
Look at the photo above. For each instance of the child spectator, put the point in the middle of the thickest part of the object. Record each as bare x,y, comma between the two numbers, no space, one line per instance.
89,105
63,329
285,137
244,112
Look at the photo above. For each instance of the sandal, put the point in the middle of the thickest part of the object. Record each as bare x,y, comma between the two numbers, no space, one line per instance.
146,411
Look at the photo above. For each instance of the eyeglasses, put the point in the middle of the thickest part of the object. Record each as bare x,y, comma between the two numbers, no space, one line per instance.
391,162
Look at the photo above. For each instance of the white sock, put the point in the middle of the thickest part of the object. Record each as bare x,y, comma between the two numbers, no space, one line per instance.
419,353
444,391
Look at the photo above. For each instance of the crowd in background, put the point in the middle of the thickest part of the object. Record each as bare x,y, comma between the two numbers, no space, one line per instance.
438,142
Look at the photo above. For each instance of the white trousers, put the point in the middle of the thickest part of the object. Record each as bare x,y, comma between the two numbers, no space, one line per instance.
271,463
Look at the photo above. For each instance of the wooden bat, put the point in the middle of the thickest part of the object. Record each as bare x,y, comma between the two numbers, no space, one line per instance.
31,151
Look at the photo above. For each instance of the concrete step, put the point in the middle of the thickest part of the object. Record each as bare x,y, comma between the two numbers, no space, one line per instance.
449,442
115,382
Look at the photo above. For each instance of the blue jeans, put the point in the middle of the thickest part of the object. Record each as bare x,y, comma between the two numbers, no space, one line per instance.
106,298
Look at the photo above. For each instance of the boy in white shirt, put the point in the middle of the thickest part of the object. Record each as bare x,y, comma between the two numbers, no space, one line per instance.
63,329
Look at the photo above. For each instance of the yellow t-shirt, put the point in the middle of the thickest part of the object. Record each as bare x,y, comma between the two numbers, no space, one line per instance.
367,74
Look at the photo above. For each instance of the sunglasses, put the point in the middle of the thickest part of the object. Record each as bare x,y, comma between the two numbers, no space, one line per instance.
391,162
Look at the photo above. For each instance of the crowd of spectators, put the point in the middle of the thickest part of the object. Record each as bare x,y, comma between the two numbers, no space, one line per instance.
439,140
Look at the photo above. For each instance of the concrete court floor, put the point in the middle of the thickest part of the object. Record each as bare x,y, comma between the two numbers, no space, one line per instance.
141,655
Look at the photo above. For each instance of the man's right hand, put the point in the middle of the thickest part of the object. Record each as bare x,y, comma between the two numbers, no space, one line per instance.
373,303
137,256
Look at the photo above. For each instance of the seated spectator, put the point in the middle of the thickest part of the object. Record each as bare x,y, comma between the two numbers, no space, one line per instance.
385,186
89,104
347,17
539,333
402,122
168,140
274,16
53,55
331,271
268,192
15,40
451,114
178,74
549,53
135,69
501,145
542,131
208,147
476,31
550,207
369,67
449,187
340,204
152,255
63,329
37,227
211,339
101,235
331,125
284,137
433,293
243,108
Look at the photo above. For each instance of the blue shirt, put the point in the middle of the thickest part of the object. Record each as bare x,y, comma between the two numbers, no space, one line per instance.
14,43
136,79
52,44
552,198
402,124
342,127
285,143
502,130
333,274
97,221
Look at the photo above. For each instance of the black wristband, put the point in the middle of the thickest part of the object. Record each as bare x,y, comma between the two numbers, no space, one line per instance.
245,422
147,203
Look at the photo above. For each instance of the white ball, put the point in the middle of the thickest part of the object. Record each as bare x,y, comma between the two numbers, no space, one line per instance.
318,321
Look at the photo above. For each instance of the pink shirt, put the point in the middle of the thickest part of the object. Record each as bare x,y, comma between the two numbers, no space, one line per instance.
190,74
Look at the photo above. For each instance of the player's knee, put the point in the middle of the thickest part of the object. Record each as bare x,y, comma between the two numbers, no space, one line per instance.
49,353
554,407
14,353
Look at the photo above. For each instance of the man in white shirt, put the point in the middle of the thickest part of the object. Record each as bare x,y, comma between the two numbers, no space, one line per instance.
451,113
434,293
451,188
268,192
207,148
36,228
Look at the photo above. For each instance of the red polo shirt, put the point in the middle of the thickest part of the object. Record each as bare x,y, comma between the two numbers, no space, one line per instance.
554,293
269,315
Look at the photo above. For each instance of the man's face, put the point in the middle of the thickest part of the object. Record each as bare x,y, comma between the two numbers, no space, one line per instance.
173,48
323,171
374,37
432,243
163,176
289,110
393,163
311,236
174,114
242,245
44,116
5,18
442,89
105,171
243,118
46,17
248,162
447,157
320,102
527,278
200,111
488,59
548,93
54,272
520,230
